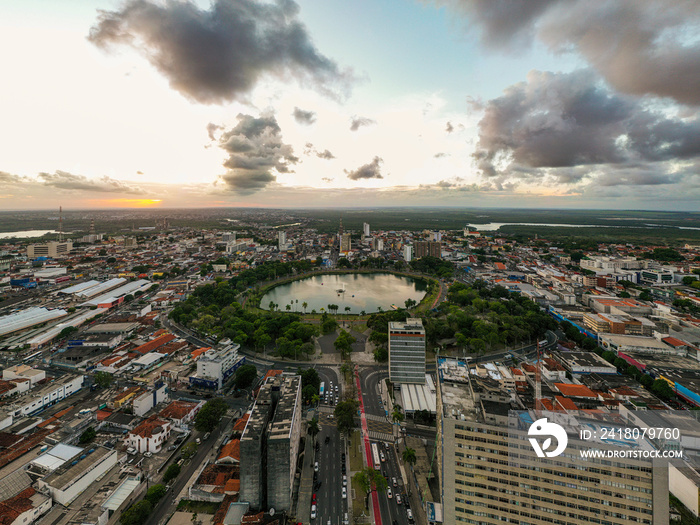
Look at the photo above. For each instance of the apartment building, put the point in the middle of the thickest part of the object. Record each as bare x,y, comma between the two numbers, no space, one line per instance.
489,473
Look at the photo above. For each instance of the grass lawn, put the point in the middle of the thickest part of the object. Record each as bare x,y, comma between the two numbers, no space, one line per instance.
358,502
356,460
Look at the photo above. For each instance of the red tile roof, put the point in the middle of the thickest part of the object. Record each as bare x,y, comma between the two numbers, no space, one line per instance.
575,390
146,428
177,410
12,508
155,343
232,450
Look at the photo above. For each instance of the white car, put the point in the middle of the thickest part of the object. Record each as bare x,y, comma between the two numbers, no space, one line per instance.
388,493
393,481
148,454
316,467
313,512
409,514
398,499
345,493
345,481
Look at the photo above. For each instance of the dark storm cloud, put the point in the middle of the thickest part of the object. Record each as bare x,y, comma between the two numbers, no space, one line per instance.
256,153
218,55
555,122
641,47
68,181
358,122
367,171
304,117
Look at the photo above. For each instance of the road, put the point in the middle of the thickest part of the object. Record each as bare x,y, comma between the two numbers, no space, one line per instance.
167,504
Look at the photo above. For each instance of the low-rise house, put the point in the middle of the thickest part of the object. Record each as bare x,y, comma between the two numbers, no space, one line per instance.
150,435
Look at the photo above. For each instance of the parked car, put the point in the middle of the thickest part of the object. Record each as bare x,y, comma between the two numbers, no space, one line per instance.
398,499
316,467
388,493
345,493
409,514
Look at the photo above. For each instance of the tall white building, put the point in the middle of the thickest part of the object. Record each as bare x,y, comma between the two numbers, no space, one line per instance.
365,229
282,241
407,352
408,252
214,367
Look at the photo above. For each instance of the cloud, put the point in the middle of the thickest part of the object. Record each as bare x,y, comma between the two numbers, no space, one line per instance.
256,154
9,178
640,47
219,55
557,124
310,150
441,155
304,117
68,181
327,179
358,122
367,171
212,129
449,128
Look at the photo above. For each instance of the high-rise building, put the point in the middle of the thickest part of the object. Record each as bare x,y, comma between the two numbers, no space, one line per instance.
345,242
49,249
423,248
378,244
229,237
407,252
407,352
490,474
365,229
270,444
282,241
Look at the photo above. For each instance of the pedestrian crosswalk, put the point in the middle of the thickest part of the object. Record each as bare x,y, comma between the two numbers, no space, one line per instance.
375,418
380,436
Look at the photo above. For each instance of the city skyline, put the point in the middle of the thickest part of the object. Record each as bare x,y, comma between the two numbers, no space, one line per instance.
314,104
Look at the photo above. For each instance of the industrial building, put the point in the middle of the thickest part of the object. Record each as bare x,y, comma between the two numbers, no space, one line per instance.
407,352
214,367
489,474
68,481
269,445
48,395
27,318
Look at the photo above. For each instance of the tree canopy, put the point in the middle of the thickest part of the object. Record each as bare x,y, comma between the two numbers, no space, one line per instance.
245,376
210,415
345,413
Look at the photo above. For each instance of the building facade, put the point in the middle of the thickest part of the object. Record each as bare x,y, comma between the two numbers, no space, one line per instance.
214,367
53,249
407,352
425,248
407,252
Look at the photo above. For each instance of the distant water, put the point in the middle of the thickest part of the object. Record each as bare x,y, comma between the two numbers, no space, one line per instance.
25,234
493,226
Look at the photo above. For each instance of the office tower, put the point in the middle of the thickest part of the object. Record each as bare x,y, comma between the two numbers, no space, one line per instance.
407,252
365,229
282,241
424,248
407,352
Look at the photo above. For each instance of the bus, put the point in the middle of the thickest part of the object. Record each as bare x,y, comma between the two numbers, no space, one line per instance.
31,356
375,456
322,388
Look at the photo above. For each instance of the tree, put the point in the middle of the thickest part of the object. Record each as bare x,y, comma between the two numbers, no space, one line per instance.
345,413
368,479
409,456
647,381
344,343
155,493
397,414
87,436
245,376
103,379
171,473
189,450
210,415
68,330
304,305
308,393
381,354
409,303
661,388
313,428
271,305
136,514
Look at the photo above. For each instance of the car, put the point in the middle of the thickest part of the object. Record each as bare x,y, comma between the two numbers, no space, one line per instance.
336,400
206,436
388,493
394,522
345,493
328,439
317,485
172,447
336,388
345,481
313,498
313,512
409,514
148,454
398,499
316,467
198,441
393,481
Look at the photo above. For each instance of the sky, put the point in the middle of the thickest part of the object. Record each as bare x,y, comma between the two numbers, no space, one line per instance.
329,103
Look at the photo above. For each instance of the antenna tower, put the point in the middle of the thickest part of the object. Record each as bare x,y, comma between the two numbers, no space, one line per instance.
60,224
538,380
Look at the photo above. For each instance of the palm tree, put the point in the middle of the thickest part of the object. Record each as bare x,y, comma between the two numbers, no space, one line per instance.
409,456
313,312
288,307
397,414
272,306
313,428
296,303
347,311
304,305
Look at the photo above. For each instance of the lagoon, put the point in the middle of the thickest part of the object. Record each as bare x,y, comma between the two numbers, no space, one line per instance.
362,292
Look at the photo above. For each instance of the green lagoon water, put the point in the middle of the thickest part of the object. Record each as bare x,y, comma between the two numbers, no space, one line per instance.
363,292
